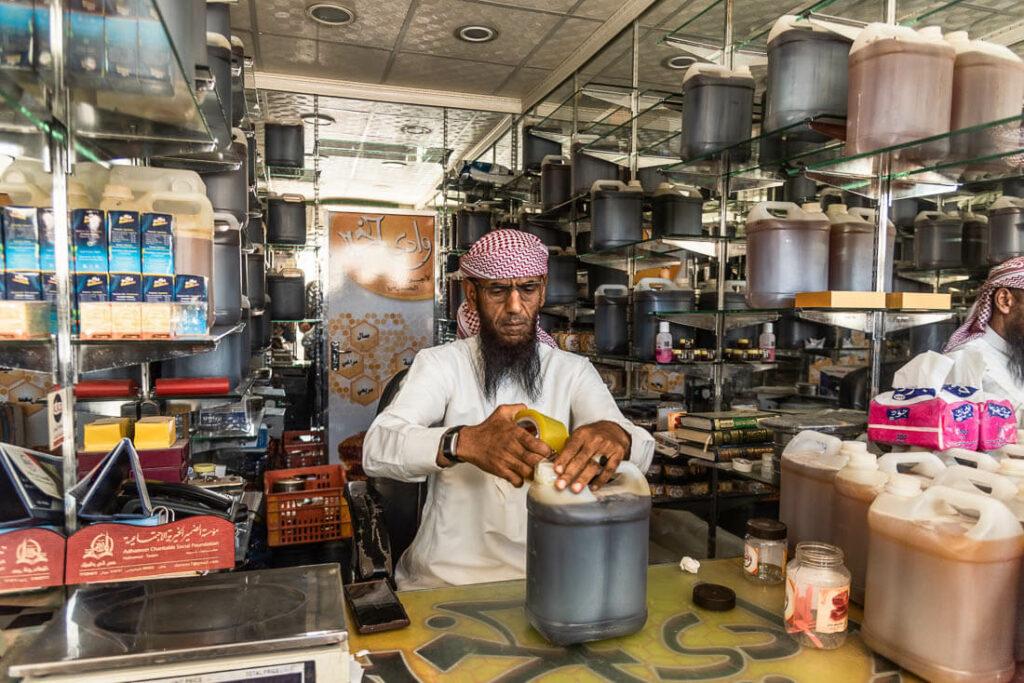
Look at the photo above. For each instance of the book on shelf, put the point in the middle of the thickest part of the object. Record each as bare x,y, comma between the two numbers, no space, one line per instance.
724,437
728,419
727,453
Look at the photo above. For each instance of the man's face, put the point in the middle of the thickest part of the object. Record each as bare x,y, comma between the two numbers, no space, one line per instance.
508,307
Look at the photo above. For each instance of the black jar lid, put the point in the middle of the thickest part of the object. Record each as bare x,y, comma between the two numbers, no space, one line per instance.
714,597
766,529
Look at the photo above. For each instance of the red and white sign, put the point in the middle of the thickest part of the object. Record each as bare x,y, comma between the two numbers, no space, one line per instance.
31,558
122,552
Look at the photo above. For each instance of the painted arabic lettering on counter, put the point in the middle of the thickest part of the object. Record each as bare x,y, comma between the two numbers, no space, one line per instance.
390,255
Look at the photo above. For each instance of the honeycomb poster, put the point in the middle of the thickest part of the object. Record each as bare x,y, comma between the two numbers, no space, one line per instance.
388,254
380,308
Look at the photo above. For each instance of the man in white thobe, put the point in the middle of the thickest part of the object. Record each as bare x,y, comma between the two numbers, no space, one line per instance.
452,423
992,337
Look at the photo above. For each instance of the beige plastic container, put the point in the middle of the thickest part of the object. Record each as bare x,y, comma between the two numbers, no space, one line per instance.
976,459
806,493
26,183
183,195
856,487
922,465
988,85
900,85
943,566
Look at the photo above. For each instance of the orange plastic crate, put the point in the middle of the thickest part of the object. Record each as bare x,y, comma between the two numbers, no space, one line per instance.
316,514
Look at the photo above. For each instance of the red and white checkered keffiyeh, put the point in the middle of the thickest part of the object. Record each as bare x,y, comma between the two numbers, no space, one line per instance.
1009,273
499,255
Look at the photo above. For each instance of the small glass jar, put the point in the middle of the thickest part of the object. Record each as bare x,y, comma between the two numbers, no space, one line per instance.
764,551
817,596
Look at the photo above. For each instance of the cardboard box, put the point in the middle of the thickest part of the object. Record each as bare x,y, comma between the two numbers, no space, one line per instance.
125,320
840,300
23,285
24,319
158,288
157,243
919,300
21,238
126,287
16,34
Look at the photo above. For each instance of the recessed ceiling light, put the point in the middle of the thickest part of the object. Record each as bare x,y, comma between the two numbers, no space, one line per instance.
476,33
679,62
393,162
310,117
330,14
413,129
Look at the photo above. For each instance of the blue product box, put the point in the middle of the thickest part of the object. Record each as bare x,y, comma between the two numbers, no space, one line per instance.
23,286
157,231
92,287
123,240
190,289
89,240
87,6
126,287
16,34
158,288
21,238
42,57
50,286
122,51
47,251
85,53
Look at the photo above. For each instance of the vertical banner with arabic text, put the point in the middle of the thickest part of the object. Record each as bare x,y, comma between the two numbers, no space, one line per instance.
380,308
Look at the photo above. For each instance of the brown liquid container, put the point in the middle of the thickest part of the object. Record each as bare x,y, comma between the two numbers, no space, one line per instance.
856,487
900,82
943,573
988,85
806,493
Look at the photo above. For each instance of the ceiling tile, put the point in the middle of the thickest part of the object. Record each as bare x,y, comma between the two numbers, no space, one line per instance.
440,73
322,59
545,5
377,24
240,17
561,43
522,81
598,9
433,25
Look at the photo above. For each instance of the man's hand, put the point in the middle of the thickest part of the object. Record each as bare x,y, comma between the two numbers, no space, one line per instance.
580,461
499,446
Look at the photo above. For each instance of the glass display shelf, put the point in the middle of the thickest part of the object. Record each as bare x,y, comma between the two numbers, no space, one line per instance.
38,355
943,276
755,474
306,175
311,321
680,366
707,320
599,109
657,127
652,253
664,501
294,247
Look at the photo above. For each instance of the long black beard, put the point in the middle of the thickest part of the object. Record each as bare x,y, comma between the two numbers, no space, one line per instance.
518,363
1015,345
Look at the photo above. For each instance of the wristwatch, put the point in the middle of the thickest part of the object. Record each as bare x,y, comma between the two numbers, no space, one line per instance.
449,441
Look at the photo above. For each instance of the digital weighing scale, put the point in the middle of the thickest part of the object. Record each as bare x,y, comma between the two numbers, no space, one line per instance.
271,626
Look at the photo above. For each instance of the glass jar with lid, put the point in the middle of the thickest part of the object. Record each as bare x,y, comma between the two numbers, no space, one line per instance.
817,596
764,551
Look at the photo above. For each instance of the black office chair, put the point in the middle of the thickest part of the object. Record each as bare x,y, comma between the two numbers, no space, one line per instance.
385,512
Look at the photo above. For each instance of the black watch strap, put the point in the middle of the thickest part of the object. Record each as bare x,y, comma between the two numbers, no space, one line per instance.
448,442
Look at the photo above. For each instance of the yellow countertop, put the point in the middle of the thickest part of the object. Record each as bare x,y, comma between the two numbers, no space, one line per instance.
480,633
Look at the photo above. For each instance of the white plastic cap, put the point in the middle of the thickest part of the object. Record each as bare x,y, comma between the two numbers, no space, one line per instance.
903,485
768,328
862,460
663,327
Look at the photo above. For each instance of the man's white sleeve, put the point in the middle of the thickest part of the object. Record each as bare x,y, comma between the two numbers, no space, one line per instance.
592,402
400,443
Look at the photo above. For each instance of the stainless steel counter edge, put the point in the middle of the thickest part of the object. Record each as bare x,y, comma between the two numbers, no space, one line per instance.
128,660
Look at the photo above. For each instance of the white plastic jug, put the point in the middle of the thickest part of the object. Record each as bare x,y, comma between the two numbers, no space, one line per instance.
856,487
962,456
27,183
806,491
586,560
922,465
943,567
780,234
982,481
900,89
988,85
